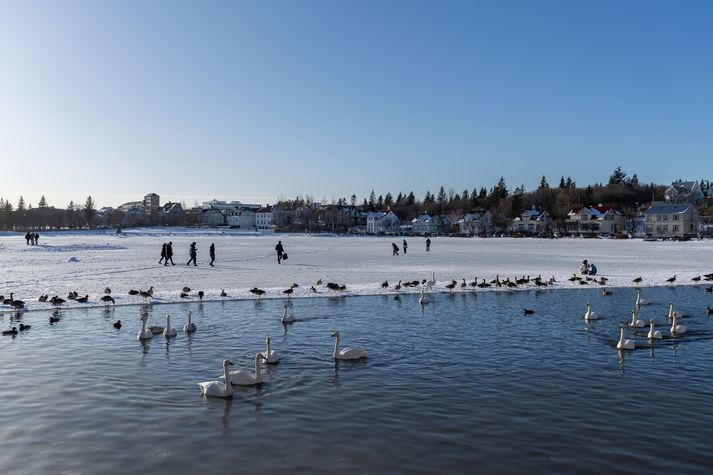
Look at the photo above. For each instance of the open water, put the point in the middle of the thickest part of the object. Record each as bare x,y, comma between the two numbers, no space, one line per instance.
468,383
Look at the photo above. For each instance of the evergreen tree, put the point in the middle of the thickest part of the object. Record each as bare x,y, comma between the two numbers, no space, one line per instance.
634,181
465,194
410,199
388,200
569,184
483,193
400,199
372,200
442,199
89,211
428,198
618,177
42,203
21,204
563,185
380,203
353,201
543,183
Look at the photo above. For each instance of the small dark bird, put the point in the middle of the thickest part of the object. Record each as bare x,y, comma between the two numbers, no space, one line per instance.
133,292
397,287
709,289
671,280
200,294
186,289
57,300
43,298
332,286
385,285
637,280
256,291
73,295
452,285
709,310
696,279
184,295
54,318
288,291
106,299
107,291
528,311
342,287
223,294
146,294
312,289
319,282
606,292
24,327
11,332
84,299
397,297
116,324
294,285
463,284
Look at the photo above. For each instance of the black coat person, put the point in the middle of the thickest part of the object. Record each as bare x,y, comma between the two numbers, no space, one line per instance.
37,237
27,237
169,254
163,253
211,252
193,253
280,250
428,244
395,249
405,246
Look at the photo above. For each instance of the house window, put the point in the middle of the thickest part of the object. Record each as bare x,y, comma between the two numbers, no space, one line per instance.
675,228
658,217
665,217
675,217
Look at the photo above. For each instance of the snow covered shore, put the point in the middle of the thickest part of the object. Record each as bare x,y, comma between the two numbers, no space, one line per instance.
87,262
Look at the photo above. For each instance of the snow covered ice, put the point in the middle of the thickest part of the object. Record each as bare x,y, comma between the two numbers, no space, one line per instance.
87,262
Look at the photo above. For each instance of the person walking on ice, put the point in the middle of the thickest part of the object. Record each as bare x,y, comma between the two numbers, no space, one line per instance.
428,244
405,245
279,250
163,253
169,254
395,249
192,252
211,252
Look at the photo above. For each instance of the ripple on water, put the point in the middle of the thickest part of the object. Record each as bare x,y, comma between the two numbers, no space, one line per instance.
466,381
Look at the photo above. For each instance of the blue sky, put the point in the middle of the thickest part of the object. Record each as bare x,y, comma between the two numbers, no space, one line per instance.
257,100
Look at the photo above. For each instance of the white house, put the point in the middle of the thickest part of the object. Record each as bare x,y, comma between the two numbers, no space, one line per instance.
475,223
379,222
243,218
535,222
427,224
264,219
667,220
685,192
213,217
592,221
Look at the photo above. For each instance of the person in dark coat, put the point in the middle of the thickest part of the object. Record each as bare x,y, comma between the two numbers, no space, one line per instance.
428,244
279,250
211,252
193,253
37,237
405,245
169,254
163,253
27,237
395,249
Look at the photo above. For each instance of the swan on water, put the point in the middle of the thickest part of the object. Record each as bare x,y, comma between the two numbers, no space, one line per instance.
346,353
423,300
670,310
589,314
639,300
189,327
144,333
636,322
677,329
243,377
169,331
654,334
285,317
430,283
271,356
219,388
624,344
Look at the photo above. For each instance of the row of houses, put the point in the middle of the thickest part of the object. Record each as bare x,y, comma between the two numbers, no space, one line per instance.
660,220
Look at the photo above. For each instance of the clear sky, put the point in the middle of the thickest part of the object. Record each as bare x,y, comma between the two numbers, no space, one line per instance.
256,100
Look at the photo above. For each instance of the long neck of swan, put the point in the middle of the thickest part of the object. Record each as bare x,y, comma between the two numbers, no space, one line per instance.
168,322
268,348
226,377
189,319
257,368
143,325
621,338
336,346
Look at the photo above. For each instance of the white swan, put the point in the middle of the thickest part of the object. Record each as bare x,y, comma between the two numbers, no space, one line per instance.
639,300
423,300
219,388
430,283
169,332
677,329
144,333
346,353
624,344
189,327
654,334
636,322
287,318
243,377
271,356
589,314
670,310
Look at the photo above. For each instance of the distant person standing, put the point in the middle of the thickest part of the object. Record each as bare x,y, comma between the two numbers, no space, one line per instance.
37,237
163,254
405,245
428,244
193,253
211,251
280,250
169,254
395,249
27,237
